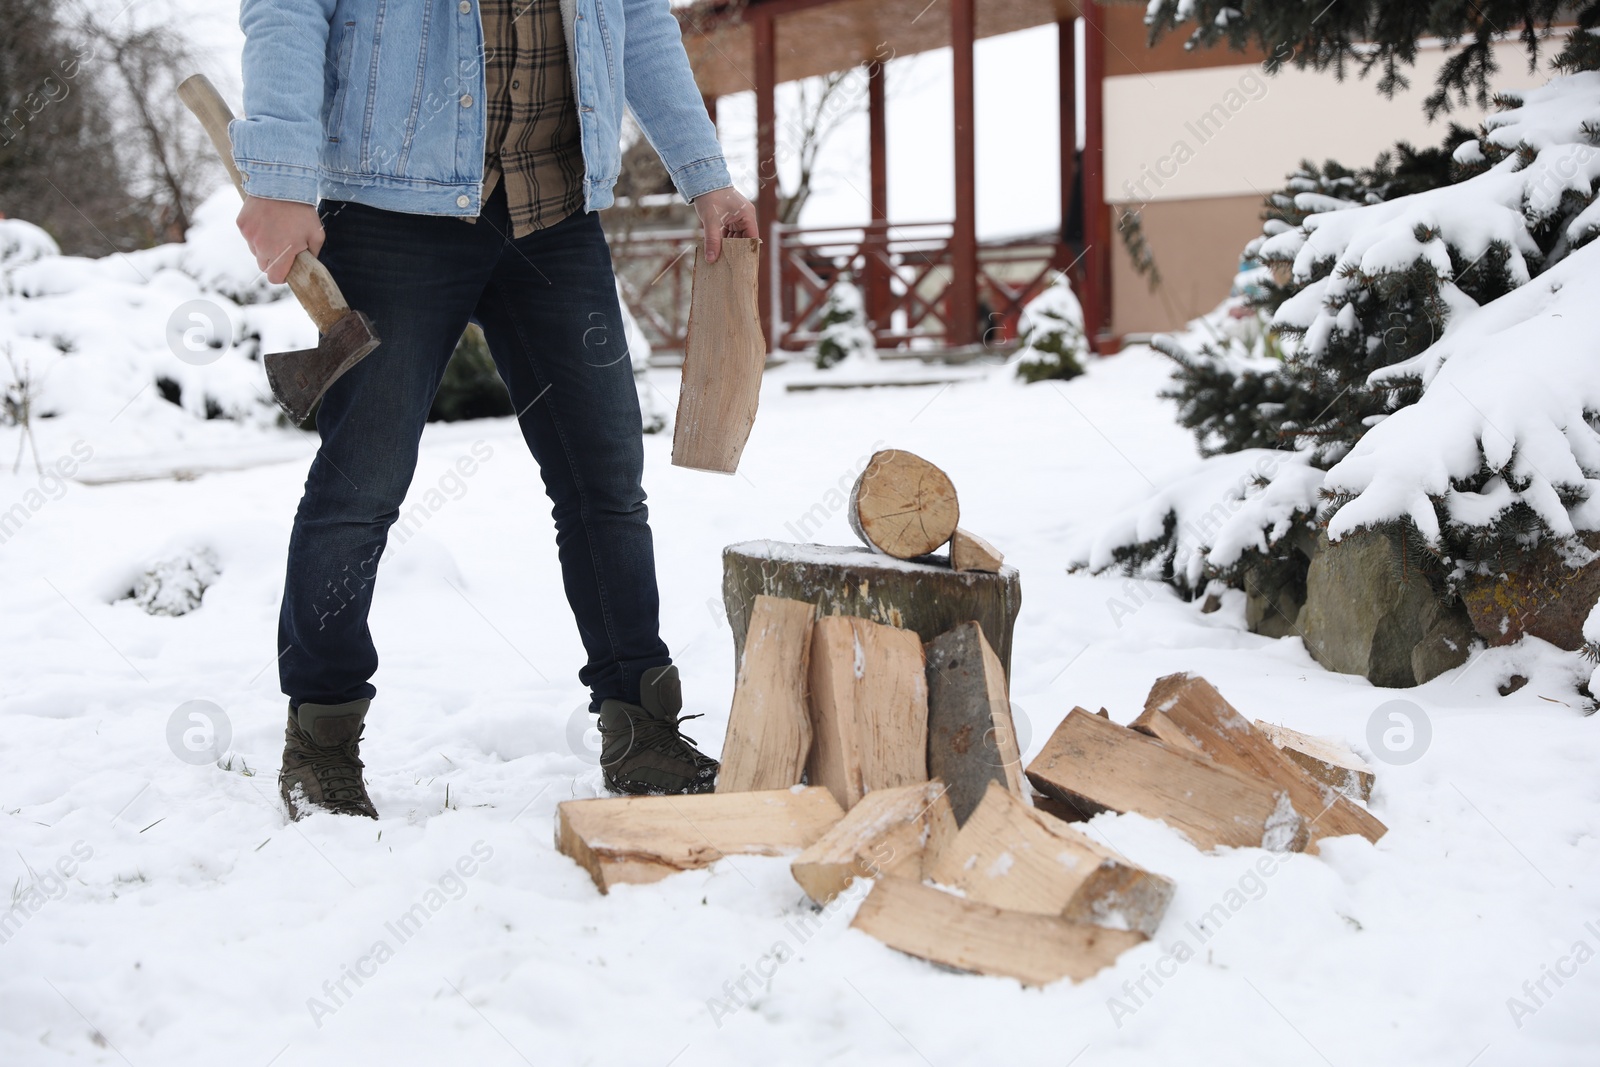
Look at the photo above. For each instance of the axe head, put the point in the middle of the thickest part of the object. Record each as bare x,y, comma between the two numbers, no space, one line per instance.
299,379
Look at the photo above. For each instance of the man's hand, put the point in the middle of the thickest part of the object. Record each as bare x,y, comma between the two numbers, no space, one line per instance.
277,231
724,213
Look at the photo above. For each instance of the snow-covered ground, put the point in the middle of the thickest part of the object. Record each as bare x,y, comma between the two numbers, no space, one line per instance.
196,925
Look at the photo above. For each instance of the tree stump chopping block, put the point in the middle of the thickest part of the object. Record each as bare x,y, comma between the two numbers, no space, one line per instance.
924,595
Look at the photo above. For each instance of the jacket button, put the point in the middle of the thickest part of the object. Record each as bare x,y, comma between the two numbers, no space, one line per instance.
465,7
463,200
466,99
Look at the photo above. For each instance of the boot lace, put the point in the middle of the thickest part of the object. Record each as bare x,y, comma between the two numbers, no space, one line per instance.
337,768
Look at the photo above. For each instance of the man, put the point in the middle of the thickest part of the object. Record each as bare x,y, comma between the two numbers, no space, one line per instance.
459,150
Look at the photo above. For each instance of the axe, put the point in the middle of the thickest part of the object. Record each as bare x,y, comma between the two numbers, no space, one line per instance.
298,379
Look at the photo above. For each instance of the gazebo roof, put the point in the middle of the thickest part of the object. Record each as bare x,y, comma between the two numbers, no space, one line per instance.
821,36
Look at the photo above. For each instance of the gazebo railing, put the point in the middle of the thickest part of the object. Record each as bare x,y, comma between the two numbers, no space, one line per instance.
903,270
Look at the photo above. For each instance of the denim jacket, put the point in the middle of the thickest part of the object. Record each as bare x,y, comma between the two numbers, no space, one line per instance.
381,101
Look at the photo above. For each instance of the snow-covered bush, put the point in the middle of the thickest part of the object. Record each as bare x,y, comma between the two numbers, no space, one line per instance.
143,348
161,337
844,331
1052,338
176,585
1439,350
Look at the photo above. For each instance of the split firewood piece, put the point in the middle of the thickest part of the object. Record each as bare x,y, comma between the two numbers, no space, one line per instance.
1325,759
1096,765
1188,706
902,505
969,552
869,708
724,355
971,739
1009,855
943,928
644,839
892,831
769,730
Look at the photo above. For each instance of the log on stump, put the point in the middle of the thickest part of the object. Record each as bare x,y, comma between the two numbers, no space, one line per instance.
724,355
971,739
868,699
644,839
1094,764
769,729
969,552
1011,856
892,831
926,597
942,928
1183,706
902,505
1328,761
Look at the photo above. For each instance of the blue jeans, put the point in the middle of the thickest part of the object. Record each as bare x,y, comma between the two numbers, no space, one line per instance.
548,307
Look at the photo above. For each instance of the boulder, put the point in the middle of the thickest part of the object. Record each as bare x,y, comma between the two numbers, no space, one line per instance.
1362,615
1547,595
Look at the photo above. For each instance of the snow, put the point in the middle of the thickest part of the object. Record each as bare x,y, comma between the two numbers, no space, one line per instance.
1219,508
165,912
1512,386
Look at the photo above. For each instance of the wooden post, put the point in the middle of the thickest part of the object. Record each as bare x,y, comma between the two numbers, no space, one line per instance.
961,304
877,295
1067,95
1096,220
763,30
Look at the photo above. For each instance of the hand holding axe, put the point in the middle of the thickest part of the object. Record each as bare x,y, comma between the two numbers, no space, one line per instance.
298,379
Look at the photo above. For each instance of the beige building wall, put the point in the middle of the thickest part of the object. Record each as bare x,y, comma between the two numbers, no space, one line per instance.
1196,245
1199,148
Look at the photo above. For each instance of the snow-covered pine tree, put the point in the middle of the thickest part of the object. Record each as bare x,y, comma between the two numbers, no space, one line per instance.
1052,343
1242,393
844,332
1453,404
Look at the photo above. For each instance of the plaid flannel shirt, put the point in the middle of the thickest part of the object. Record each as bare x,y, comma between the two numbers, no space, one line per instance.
532,141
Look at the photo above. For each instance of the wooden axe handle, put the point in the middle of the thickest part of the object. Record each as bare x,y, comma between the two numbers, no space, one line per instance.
310,281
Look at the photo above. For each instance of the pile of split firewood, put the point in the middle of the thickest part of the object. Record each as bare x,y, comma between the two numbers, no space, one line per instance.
870,751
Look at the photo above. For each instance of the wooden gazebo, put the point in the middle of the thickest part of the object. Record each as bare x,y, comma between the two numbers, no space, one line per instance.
929,280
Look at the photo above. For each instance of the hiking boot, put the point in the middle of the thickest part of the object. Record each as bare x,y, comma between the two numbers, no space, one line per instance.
641,750
322,761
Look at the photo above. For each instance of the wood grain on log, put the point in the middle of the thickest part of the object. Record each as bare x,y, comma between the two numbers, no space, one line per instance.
1009,855
892,831
769,730
868,698
902,505
1328,761
926,597
723,359
644,839
969,552
942,928
971,738
1094,764
1186,706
